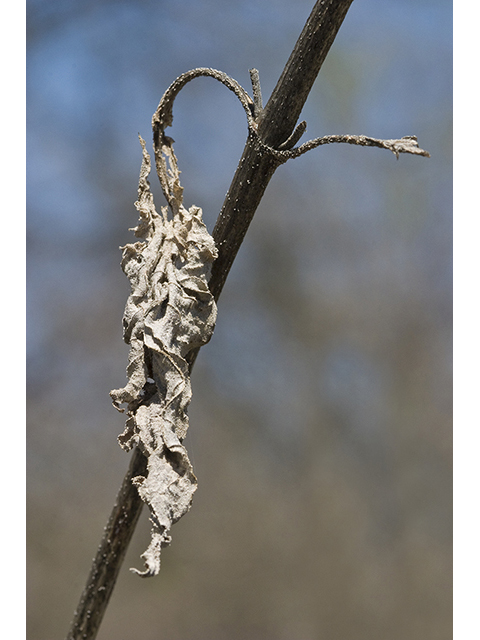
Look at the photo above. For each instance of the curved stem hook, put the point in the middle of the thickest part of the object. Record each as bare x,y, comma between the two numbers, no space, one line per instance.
163,118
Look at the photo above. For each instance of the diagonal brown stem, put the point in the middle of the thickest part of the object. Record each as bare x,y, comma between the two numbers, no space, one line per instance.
276,123
254,171
111,552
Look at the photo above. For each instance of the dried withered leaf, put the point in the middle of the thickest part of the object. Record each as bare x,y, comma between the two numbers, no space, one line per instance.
169,312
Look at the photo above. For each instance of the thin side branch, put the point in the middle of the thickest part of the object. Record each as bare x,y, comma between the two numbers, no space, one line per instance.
291,141
163,118
407,144
257,94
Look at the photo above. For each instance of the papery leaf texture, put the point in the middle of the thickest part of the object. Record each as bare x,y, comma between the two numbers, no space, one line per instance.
169,312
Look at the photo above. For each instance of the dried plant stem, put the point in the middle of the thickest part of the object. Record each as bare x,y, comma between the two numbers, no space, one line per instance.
111,552
272,134
251,178
275,125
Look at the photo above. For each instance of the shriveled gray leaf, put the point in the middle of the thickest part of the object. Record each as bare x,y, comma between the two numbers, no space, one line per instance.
169,312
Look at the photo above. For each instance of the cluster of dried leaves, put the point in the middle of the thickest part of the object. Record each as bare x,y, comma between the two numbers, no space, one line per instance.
169,312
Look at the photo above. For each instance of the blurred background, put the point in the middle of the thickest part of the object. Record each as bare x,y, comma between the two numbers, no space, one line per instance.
321,414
